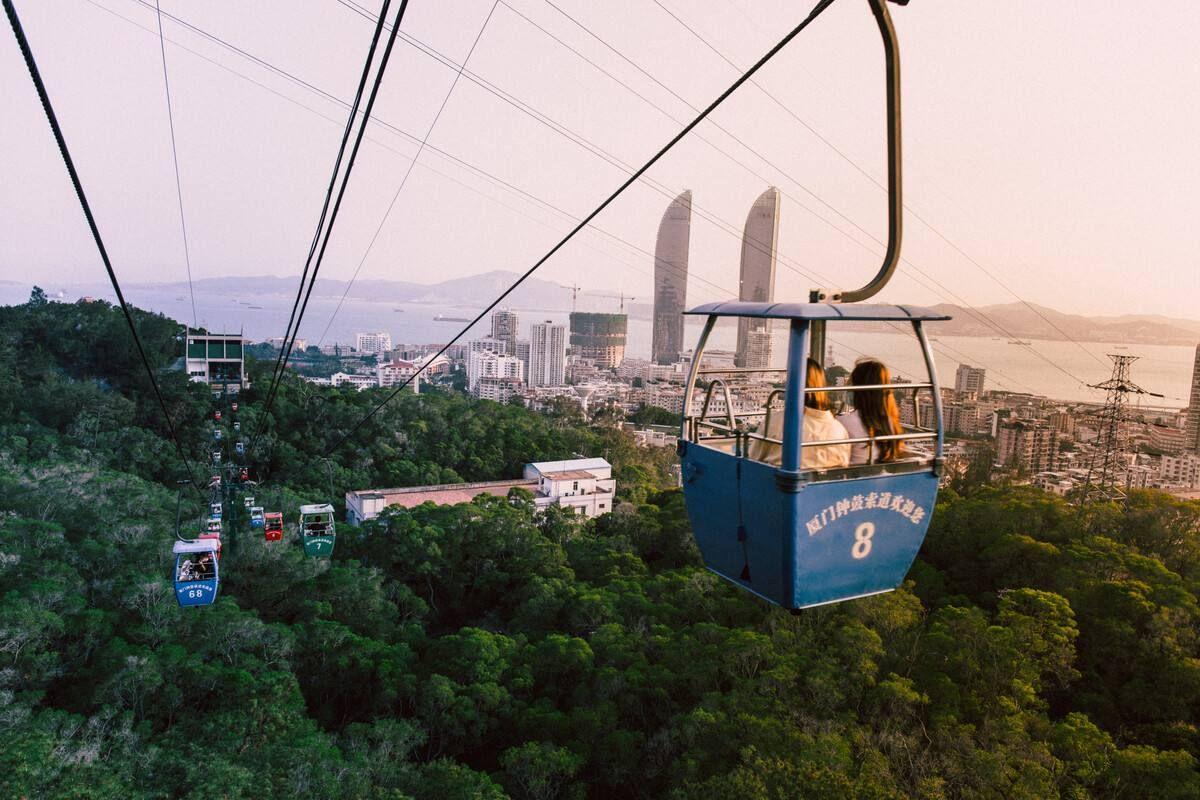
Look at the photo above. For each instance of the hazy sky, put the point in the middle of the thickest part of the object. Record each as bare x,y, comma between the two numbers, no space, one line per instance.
1054,142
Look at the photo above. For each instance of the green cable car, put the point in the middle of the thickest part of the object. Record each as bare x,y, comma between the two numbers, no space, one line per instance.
317,529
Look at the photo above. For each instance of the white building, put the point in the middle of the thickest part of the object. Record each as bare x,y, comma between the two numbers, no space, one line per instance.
377,343
485,364
547,354
488,344
499,390
585,485
394,373
360,382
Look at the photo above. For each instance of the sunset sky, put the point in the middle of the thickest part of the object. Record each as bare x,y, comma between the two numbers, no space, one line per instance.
1054,143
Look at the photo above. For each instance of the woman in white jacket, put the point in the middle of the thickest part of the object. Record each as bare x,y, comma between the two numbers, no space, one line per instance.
819,426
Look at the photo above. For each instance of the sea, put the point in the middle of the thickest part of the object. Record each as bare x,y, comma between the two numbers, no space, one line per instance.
1060,370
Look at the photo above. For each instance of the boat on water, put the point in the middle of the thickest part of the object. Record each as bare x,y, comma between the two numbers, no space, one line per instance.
444,318
398,310
1017,341
256,308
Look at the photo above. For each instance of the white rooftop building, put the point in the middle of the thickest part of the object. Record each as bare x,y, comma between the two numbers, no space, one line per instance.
584,485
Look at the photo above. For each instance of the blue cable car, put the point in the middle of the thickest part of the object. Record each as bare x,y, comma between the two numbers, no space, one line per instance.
802,537
197,573
796,535
240,448
216,434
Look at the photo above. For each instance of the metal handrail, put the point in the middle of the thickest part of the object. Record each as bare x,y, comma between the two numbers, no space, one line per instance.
860,440
739,370
728,402
851,388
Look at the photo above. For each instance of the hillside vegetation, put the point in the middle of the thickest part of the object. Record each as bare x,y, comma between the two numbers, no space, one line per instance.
483,651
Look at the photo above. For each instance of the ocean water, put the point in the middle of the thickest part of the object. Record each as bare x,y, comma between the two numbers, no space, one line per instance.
1050,368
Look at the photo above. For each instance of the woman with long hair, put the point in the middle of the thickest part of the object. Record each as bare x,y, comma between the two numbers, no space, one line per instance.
875,413
819,426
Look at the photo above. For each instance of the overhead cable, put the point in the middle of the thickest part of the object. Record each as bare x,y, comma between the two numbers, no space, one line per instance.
61,141
629,181
404,180
187,254
337,204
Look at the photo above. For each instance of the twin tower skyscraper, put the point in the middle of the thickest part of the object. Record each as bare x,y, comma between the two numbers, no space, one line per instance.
756,281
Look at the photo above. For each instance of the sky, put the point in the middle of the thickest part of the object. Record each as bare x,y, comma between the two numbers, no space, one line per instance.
1049,148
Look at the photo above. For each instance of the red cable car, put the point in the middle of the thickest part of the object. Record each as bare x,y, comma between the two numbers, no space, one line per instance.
273,526
217,415
234,408
213,534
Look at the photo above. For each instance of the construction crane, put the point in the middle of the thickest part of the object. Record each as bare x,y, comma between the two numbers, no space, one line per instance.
621,296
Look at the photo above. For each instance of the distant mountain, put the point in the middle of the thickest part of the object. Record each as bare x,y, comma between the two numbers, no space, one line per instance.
476,291
1009,320
1039,322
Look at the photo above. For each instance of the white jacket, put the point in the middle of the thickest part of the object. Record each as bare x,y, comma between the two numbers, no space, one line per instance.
819,426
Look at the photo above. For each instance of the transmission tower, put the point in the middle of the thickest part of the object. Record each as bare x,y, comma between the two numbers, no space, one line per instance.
1101,484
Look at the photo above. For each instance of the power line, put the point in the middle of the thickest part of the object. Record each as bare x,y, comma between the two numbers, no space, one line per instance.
187,255
629,181
285,352
69,163
407,172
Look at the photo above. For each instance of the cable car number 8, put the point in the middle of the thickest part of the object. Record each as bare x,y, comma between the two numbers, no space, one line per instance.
862,540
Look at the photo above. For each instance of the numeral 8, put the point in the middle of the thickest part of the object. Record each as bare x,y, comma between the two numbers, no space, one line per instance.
862,540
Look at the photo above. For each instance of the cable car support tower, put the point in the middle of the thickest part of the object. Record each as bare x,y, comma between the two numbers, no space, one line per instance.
1101,484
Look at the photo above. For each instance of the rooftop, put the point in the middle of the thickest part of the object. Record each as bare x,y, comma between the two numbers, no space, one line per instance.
569,475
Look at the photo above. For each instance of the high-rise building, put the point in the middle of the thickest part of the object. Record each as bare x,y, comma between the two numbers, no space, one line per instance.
756,283
969,379
522,353
376,343
1028,446
484,364
599,338
1193,418
505,328
670,279
487,344
547,354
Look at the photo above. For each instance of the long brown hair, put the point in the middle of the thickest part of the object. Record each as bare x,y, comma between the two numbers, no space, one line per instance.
815,379
877,407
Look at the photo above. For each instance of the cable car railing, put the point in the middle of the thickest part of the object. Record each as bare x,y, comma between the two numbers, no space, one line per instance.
735,424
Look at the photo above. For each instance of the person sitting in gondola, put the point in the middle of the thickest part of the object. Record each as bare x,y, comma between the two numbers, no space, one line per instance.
875,413
819,426
204,570
187,570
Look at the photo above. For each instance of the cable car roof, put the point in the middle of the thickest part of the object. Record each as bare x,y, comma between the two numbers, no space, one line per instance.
320,508
865,312
205,546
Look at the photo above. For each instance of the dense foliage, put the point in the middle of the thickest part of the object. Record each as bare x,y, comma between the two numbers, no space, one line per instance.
483,651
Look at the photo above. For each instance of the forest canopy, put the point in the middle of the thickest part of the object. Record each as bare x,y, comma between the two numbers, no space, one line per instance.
487,651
